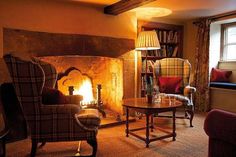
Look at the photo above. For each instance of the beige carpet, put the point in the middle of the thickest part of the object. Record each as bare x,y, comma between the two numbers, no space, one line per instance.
190,142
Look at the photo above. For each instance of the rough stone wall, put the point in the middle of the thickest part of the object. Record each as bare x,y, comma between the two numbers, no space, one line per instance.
102,70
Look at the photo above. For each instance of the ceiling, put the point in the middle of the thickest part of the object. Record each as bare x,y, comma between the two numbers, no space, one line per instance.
184,9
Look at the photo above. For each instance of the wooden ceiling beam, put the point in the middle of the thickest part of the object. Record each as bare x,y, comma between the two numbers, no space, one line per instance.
124,5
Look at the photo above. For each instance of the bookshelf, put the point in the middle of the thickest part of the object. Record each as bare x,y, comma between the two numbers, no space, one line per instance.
171,41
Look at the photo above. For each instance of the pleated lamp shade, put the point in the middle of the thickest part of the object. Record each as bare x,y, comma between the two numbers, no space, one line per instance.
147,40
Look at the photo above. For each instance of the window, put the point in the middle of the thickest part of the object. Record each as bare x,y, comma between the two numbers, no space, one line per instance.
228,43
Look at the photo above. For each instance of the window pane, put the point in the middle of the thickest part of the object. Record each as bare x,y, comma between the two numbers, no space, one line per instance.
231,35
231,52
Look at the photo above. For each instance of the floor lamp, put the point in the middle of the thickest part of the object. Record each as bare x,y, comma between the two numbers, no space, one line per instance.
147,40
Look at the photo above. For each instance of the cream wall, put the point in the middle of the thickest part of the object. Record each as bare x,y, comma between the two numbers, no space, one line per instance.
190,34
77,18
62,17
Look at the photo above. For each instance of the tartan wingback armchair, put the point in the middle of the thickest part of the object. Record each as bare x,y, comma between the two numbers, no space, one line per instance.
177,67
49,123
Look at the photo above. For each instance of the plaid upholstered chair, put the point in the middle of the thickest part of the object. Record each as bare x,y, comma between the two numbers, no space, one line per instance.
178,68
55,122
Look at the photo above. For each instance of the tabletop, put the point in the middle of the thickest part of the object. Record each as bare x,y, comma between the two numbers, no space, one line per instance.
143,104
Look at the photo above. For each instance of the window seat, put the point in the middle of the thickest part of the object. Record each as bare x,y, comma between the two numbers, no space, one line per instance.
224,85
222,94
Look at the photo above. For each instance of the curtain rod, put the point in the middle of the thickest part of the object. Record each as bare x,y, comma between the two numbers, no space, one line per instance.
217,17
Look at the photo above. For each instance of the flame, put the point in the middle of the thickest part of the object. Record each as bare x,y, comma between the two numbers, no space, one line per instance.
86,91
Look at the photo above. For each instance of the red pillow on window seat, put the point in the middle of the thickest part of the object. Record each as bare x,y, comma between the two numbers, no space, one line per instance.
171,85
218,75
52,96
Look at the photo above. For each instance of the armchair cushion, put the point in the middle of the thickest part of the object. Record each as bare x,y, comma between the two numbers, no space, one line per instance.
52,96
73,99
170,84
225,85
219,75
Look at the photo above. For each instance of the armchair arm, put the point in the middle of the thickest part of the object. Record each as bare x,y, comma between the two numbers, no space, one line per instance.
70,109
189,90
221,125
73,99
88,119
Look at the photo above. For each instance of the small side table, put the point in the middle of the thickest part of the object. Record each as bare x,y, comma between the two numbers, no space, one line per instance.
141,105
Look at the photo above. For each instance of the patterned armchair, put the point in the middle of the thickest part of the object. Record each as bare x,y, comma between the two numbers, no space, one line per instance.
177,67
50,123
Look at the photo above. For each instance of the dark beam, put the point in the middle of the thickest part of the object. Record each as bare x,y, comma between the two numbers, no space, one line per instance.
124,5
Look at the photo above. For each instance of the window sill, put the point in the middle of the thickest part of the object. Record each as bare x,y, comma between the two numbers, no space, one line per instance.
229,61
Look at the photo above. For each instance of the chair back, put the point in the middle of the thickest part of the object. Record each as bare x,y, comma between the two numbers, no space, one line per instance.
173,67
49,72
28,80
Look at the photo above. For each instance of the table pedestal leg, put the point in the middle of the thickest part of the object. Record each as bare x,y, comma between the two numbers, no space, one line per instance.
152,125
174,134
147,131
127,122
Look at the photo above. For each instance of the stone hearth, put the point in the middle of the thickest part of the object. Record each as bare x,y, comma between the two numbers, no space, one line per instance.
97,70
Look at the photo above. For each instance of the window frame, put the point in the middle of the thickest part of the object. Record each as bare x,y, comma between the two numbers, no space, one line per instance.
224,28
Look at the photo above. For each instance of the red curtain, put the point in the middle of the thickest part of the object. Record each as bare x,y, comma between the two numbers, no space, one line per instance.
201,74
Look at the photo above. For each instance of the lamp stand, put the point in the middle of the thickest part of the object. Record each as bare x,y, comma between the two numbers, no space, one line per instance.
146,76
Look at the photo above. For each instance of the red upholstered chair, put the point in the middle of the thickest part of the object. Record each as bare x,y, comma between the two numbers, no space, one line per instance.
220,126
176,68
55,122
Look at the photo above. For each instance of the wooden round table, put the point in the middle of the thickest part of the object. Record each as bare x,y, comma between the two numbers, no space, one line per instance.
141,105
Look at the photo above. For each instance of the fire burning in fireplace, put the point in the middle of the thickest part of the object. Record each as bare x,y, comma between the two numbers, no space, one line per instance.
88,74
74,82
86,91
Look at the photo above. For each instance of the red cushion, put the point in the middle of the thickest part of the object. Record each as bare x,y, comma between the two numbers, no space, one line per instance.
218,75
52,96
170,84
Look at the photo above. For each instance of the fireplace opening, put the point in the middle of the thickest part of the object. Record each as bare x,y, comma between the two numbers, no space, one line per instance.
87,75
79,83
73,82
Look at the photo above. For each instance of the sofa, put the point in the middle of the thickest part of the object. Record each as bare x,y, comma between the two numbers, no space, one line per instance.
221,93
220,126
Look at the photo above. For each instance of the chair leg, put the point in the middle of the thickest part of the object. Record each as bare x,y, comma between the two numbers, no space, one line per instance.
93,143
33,148
190,113
191,118
79,147
3,145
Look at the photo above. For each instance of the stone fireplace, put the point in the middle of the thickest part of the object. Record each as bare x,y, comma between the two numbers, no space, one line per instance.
94,60
89,71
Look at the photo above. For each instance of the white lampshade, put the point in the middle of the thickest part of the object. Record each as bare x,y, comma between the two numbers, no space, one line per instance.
147,40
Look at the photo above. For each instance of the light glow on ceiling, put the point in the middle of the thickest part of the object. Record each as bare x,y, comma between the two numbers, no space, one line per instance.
151,12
